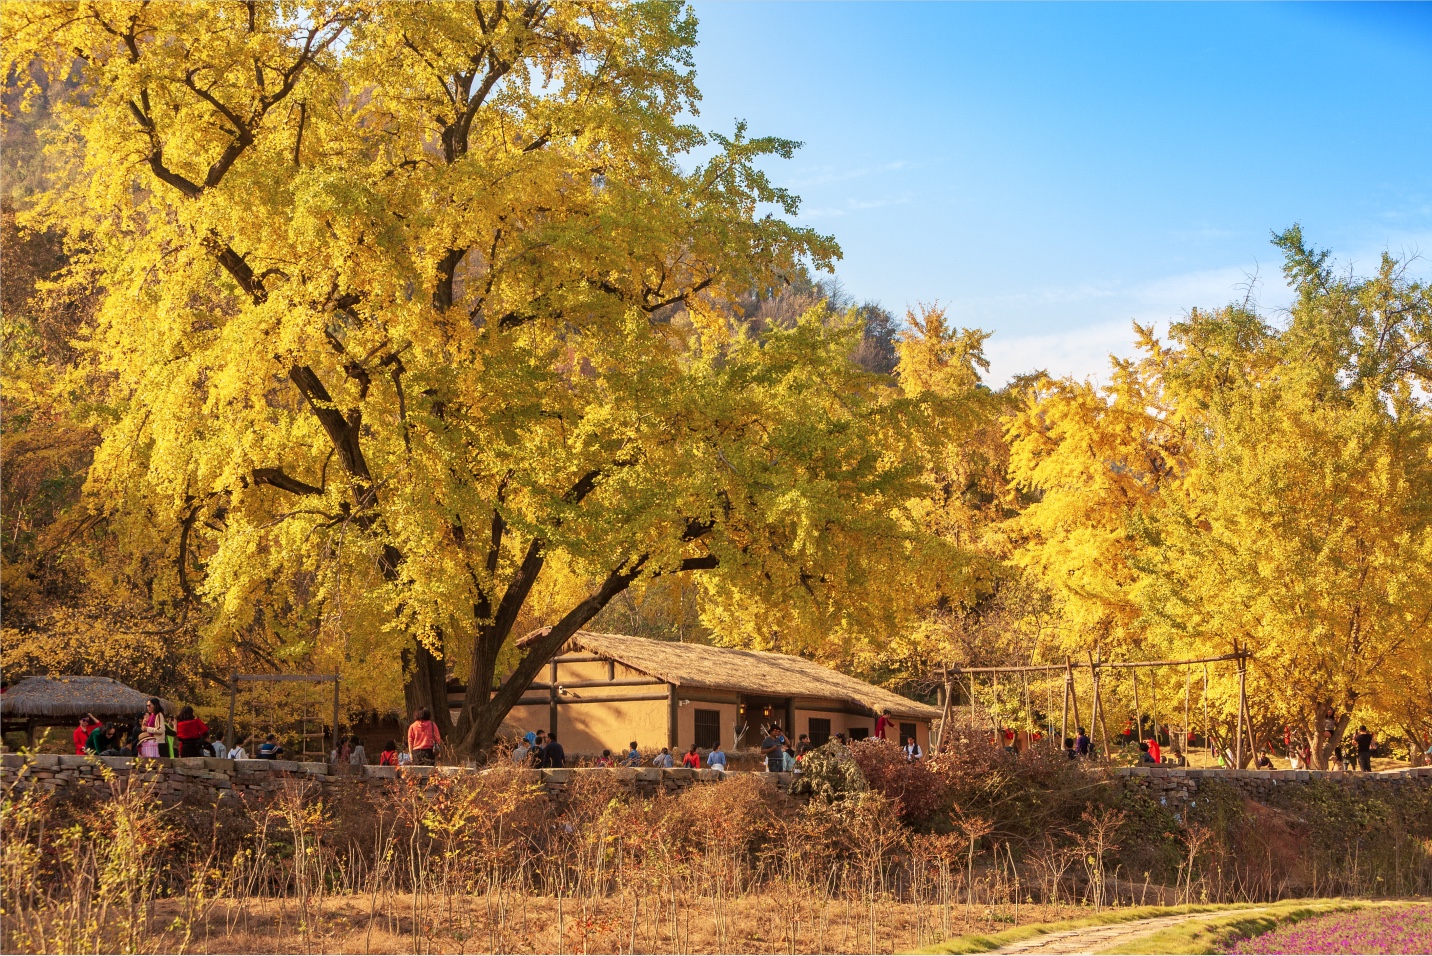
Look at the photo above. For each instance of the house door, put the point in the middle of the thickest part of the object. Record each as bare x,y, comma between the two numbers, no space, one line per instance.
757,714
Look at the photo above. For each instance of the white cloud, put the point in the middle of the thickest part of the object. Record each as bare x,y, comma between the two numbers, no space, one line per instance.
1087,332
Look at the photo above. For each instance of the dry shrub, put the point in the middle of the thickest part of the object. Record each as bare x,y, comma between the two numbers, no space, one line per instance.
916,791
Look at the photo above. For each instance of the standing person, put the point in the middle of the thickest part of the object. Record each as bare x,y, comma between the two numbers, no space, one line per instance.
553,756
716,759
88,725
883,724
772,750
217,748
357,756
270,749
424,738
1155,752
1364,748
691,758
389,756
803,745
633,757
523,748
662,759
1081,743
240,751
190,730
912,750
152,729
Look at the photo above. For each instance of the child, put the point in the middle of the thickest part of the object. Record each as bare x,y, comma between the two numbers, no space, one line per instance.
605,760
389,756
691,758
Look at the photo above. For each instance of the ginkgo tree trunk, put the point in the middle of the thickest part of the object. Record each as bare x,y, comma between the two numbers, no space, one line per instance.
402,303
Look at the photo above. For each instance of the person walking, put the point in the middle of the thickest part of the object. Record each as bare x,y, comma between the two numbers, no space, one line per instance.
1365,747
190,730
663,759
883,724
633,757
389,756
691,758
1155,752
152,728
240,751
773,751
553,756
424,737
716,759
357,756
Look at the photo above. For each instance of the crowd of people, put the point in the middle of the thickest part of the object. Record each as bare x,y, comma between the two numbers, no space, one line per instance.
154,734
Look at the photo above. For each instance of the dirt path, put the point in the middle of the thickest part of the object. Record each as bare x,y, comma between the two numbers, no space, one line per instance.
1094,939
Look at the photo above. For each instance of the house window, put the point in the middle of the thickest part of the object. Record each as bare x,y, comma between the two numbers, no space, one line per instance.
859,733
906,732
708,728
819,730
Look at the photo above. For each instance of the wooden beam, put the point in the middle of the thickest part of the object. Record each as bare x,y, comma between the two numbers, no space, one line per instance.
322,678
552,698
233,702
1047,668
579,659
671,709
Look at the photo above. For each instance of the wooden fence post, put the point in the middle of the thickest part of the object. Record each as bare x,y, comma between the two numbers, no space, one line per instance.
233,703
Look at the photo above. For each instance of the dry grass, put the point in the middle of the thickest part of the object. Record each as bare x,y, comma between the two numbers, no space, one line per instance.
626,923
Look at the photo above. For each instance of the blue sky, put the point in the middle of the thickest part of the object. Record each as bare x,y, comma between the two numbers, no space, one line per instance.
1051,172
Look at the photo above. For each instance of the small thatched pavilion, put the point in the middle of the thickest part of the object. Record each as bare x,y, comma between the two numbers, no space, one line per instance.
57,701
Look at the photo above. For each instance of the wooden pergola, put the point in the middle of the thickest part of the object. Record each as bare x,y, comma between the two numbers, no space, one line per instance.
953,676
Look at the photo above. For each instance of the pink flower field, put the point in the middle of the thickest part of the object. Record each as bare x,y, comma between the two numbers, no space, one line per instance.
1380,930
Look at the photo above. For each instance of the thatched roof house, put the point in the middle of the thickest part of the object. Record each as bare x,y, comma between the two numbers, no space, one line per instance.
51,700
664,693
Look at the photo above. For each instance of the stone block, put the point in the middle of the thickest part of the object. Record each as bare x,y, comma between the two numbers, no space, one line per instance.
707,775
45,761
118,763
313,769
679,773
252,766
415,770
380,772
556,775
284,766
218,764
72,760
648,774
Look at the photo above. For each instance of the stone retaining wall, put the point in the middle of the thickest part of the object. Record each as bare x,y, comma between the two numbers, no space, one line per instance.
1177,788
210,779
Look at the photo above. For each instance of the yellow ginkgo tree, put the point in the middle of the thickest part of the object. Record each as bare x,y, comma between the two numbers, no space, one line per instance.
401,303
1269,486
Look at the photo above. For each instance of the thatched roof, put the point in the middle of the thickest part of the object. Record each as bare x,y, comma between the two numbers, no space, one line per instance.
60,697
749,672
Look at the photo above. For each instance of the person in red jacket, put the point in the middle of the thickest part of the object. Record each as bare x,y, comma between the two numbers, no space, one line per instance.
82,733
691,759
191,731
